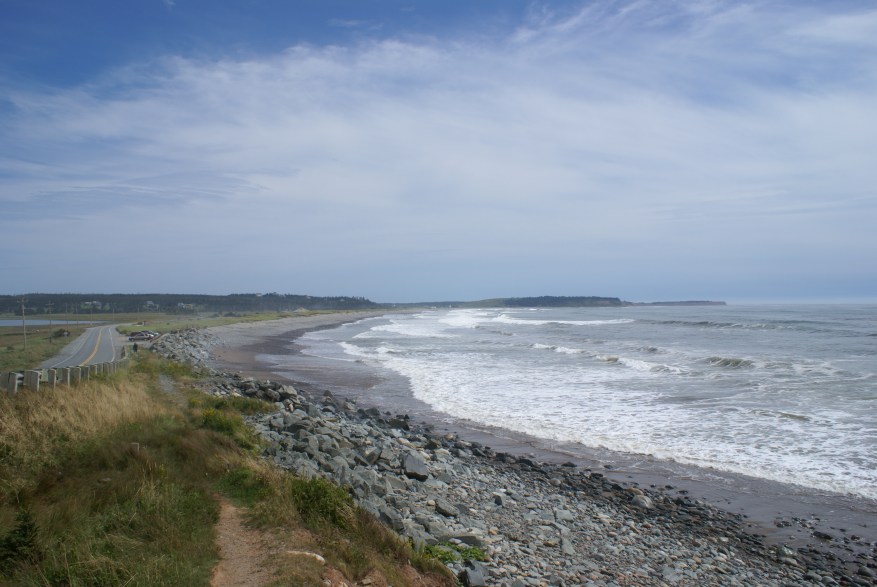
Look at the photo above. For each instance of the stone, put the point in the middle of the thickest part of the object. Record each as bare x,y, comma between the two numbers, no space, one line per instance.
392,518
566,546
415,468
472,575
642,501
470,539
446,509
548,525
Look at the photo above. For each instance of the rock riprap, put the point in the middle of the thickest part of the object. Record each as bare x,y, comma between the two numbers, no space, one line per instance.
535,523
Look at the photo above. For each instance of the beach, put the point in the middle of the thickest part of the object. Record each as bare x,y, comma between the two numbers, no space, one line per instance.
780,515
239,345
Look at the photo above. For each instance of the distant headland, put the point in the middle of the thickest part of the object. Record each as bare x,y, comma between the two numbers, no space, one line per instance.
558,302
70,303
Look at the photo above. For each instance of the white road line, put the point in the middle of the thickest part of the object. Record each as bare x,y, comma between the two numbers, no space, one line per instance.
111,330
77,344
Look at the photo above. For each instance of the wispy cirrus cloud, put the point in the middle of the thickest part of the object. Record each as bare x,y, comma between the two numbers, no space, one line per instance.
610,139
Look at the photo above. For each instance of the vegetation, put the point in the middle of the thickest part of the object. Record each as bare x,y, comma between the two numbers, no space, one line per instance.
529,302
163,323
70,303
43,342
46,341
449,553
118,482
548,302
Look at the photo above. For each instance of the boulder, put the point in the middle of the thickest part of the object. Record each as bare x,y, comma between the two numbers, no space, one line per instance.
473,575
642,501
445,508
415,468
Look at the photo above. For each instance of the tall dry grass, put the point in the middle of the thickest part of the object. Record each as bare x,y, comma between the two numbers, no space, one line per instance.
36,432
115,482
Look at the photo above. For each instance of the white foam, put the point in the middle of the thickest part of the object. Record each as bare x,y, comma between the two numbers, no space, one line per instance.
507,319
567,408
466,318
558,349
352,349
412,329
750,420
383,350
637,365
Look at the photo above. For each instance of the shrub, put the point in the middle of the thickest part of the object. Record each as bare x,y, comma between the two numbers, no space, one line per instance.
243,405
449,553
320,501
20,543
244,484
230,424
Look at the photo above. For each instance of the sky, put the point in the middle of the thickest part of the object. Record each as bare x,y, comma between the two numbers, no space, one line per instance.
408,150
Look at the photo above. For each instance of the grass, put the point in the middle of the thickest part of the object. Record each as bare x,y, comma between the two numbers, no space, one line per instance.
449,553
118,481
42,345
170,322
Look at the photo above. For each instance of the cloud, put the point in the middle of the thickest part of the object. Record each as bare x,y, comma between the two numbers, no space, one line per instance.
350,23
605,140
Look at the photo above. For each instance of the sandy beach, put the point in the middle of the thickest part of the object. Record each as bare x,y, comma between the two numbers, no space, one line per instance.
242,343
780,513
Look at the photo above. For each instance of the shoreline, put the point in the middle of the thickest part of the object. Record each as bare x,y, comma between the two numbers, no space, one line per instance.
777,513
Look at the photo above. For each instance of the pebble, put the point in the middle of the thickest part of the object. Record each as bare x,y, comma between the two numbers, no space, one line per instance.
538,524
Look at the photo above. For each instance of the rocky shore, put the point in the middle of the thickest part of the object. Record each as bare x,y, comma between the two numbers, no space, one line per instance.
534,523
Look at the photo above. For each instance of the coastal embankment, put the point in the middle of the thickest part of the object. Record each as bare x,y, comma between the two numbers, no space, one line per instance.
536,523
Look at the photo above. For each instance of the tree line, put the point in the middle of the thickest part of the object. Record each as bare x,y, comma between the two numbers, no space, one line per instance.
70,303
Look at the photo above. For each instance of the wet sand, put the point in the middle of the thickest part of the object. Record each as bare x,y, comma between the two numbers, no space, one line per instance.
781,513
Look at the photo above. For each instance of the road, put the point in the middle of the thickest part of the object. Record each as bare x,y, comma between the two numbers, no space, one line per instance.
101,344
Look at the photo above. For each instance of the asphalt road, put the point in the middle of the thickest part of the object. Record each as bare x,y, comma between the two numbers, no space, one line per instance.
101,344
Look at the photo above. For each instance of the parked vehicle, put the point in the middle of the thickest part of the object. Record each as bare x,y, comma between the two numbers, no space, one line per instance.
143,335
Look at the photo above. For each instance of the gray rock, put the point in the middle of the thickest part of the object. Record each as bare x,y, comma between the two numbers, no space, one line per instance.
391,517
566,546
642,501
418,535
549,525
470,539
415,468
473,575
445,508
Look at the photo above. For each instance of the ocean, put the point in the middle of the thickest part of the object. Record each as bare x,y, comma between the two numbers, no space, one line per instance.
782,393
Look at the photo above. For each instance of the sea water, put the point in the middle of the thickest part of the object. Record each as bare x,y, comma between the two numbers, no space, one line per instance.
785,393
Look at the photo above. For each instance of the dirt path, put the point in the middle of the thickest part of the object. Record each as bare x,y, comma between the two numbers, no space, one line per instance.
243,552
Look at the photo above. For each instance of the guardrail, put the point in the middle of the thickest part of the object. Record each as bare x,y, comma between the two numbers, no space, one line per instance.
32,379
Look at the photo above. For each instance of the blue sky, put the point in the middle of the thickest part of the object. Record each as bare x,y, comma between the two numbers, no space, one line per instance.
409,151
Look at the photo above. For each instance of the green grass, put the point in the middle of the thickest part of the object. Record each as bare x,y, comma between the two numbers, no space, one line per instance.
244,485
239,404
127,502
147,364
119,484
41,345
232,425
448,553
169,322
